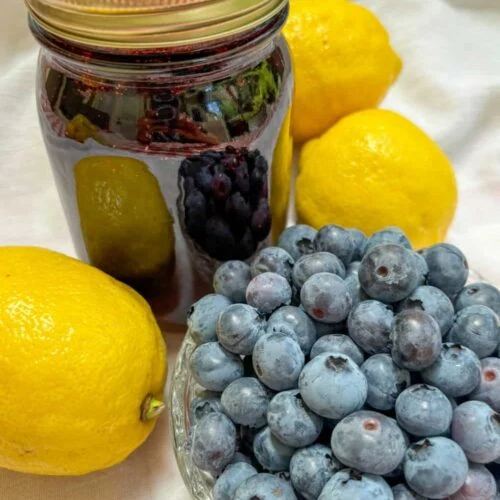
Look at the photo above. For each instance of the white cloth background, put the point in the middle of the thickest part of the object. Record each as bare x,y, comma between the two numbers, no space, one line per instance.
450,86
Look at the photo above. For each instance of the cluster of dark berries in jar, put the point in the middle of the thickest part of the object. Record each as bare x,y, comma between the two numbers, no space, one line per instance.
343,367
226,208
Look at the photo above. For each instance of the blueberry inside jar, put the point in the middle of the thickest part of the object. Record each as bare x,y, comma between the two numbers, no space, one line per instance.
167,128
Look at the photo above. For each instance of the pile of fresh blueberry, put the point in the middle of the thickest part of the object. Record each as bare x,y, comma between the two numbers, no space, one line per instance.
226,209
343,367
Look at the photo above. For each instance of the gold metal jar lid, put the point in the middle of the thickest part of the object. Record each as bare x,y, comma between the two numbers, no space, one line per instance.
150,23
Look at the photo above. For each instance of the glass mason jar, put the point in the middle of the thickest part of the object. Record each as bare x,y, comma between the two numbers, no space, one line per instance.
167,127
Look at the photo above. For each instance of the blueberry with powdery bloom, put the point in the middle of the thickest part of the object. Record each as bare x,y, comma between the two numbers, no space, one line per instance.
291,421
204,403
298,240
456,371
423,410
387,235
402,492
478,328
389,273
311,468
342,344
325,298
416,340
369,441
488,389
270,452
265,487
337,240
214,368
231,280
476,428
213,443
278,361
435,467
319,262
203,315
482,294
268,291
333,386
359,239
293,321
479,484
448,268
229,481
273,260
352,484
386,381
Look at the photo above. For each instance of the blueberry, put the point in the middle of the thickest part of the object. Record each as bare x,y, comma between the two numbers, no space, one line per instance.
325,298
423,268
298,240
264,487
273,260
478,328
270,452
240,457
448,268
435,467
311,468
476,428
402,492
385,381
231,479
457,371
480,484
231,280
203,315
423,410
434,302
239,327
278,361
336,240
389,273
221,186
332,385
268,291
479,294
260,223
296,323
245,402
353,268
355,290
369,441
416,340
387,235
291,421
338,343
359,239
213,443
219,241
237,210
213,367
369,325
352,484
319,262
204,403
488,389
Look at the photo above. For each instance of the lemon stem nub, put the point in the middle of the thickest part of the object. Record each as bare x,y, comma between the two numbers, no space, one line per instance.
151,408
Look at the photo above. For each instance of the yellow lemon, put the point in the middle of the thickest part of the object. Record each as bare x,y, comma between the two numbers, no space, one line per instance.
126,226
343,62
373,169
83,365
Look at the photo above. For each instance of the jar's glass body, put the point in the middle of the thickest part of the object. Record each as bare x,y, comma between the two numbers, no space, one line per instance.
168,164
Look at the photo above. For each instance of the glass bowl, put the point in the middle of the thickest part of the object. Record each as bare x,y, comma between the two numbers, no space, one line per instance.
182,390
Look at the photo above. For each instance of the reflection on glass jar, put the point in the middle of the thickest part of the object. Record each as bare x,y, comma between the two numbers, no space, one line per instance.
173,159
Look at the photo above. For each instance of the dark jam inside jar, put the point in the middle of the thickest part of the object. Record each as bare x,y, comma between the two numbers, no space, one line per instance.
169,161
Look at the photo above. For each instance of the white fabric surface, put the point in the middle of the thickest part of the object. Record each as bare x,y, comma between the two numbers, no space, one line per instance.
450,86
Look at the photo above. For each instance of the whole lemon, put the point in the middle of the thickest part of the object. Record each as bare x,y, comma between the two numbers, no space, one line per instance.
83,365
343,63
374,169
127,228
